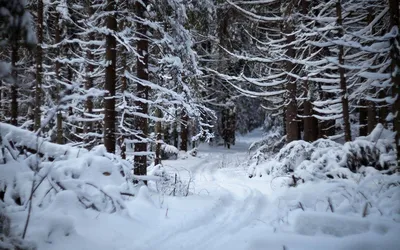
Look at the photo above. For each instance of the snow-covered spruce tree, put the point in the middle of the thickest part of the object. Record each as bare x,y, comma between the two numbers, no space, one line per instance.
158,40
177,65
272,53
223,28
365,60
330,60
16,33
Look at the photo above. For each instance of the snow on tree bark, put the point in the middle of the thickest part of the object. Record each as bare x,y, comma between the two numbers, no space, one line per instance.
343,84
39,67
109,98
140,165
14,86
184,130
292,129
59,118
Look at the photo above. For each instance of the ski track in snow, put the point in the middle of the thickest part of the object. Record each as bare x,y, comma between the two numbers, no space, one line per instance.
226,210
232,211
235,205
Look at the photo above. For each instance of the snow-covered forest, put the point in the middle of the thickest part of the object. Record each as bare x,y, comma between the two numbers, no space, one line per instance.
199,124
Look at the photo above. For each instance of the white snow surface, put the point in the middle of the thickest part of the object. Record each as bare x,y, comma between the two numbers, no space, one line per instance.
223,210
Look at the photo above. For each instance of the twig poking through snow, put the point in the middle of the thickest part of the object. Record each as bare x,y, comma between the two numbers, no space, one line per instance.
365,210
330,205
301,206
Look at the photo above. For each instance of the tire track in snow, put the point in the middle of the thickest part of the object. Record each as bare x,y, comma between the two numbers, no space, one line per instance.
241,213
236,206
244,208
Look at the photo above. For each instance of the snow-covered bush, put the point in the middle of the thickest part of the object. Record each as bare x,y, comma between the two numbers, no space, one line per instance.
326,159
169,151
56,180
169,182
99,179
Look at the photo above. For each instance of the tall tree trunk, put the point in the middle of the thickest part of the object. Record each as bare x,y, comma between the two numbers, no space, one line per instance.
371,108
140,167
175,134
184,131
310,123
39,66
109,98
232,125
14,86
363,118
395,71
224,125
124,85
343,84
158,130
88,127
58,78
371,116
292,130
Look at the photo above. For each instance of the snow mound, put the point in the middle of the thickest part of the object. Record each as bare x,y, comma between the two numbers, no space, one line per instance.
58,182
326,159
169,182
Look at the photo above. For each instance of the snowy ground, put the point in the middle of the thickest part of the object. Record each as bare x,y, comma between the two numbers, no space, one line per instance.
225,210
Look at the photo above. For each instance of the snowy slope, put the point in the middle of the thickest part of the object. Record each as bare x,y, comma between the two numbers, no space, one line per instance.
225,210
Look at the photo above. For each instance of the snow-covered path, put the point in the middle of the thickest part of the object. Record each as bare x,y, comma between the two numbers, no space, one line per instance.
223,204
226,210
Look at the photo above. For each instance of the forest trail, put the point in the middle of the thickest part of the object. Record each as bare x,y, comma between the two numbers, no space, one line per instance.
225,210
229,204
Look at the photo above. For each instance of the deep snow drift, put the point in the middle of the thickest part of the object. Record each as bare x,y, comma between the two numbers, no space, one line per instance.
88,203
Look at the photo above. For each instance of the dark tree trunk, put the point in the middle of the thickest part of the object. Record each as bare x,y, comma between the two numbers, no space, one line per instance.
395,72
371,116
89,78
58,78
175,135
140,167
224,125
343,84
364,104
39,66
232,125
124,86
158,131
292,130
371,108
14,86
310,123
184,131
109,98
284,120
383,110
363,118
